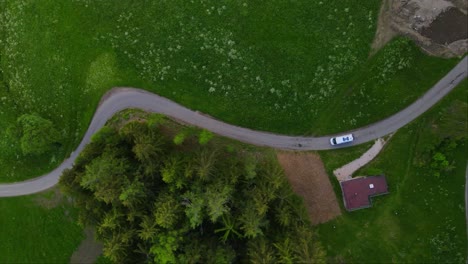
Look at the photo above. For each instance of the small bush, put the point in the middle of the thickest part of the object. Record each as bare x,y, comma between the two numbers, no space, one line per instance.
204,137
37,134
180,138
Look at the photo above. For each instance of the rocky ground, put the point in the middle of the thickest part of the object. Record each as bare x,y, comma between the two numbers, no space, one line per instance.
439,27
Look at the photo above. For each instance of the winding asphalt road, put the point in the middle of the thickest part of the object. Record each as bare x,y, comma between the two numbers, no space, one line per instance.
122,98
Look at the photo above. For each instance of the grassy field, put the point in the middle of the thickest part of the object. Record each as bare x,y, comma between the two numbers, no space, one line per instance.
391,80
422,220
34,231
282,66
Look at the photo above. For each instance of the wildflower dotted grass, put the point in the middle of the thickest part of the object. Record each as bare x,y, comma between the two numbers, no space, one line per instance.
293,67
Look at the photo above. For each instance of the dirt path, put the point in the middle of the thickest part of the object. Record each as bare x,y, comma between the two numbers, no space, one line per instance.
308,178
51,201
345,173
384,31
88,251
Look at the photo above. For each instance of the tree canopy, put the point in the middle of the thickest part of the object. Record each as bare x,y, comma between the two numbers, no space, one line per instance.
36,135
154,200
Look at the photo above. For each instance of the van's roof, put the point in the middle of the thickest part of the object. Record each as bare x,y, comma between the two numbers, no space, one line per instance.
344,138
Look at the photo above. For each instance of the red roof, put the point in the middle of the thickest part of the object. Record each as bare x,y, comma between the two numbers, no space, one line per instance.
357,192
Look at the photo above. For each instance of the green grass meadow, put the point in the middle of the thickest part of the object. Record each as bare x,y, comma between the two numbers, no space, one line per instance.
422,220
292,67
33,233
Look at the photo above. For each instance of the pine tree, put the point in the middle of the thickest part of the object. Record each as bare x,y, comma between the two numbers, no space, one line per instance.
260,252
285,251
205,164
166,210
148,229
251,222
229,229
194,207
217,196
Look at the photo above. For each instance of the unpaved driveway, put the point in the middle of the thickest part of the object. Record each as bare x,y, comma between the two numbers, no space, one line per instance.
88,251
345,173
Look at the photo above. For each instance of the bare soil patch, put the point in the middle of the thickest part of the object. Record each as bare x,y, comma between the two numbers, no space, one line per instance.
384,31
88,251
52,200
306,173
439,27
449,26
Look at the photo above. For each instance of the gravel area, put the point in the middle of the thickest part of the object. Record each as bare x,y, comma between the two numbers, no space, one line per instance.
345,173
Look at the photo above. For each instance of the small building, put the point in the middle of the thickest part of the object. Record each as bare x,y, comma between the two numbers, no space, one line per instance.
357,192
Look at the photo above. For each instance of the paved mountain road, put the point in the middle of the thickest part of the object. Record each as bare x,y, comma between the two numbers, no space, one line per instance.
122,98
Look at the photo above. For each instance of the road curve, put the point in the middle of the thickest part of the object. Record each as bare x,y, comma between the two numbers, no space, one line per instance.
121,98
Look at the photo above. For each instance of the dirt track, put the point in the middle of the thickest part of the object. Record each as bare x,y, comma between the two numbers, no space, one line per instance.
346,172
88,251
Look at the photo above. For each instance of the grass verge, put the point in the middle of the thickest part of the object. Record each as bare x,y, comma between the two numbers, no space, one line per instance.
35,229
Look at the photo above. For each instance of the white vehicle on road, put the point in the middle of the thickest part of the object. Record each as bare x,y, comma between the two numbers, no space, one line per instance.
341,139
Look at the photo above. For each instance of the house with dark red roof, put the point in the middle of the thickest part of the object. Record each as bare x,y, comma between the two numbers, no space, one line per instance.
357,192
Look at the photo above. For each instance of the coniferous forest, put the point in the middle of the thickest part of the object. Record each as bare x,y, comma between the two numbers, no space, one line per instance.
157,192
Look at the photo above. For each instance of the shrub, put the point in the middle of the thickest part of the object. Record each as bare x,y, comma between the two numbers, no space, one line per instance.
204,137
37,135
